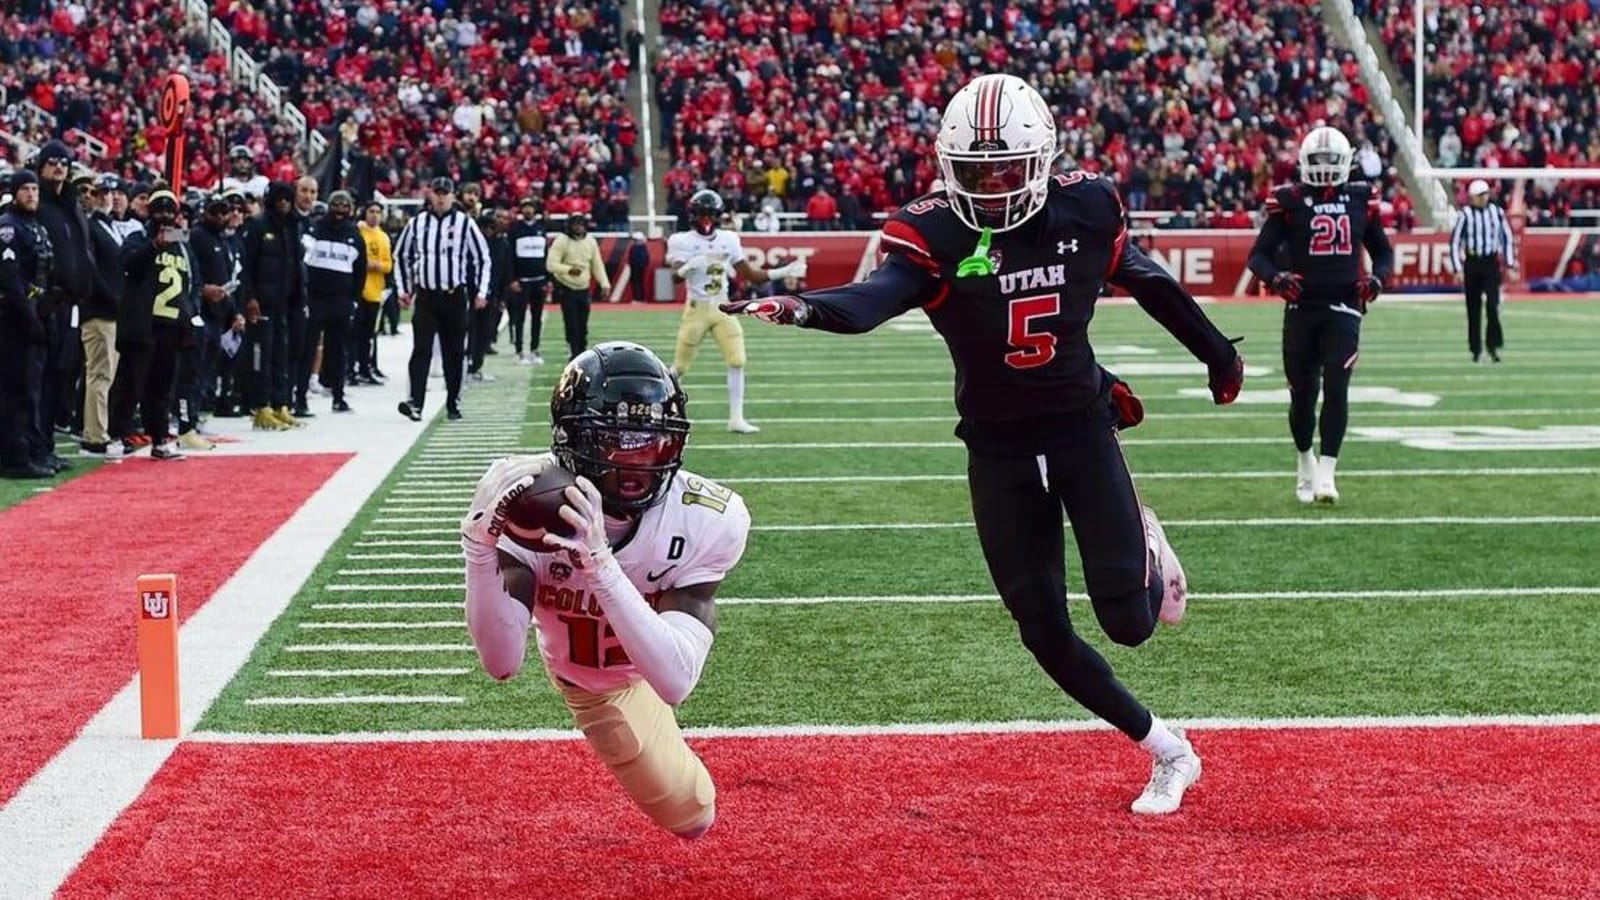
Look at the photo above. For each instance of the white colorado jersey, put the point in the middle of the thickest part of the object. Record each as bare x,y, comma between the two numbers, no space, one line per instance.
722,251
254,187
694,535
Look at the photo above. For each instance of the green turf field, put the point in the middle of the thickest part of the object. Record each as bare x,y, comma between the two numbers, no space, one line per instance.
1431,588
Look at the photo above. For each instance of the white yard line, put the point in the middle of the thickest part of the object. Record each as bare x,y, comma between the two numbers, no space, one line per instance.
1310,521
415,604
370,556
1331,594
1156,416
382,626
409,542
1198,476
418,570
921,729
367,673
371,700
379,648
62,811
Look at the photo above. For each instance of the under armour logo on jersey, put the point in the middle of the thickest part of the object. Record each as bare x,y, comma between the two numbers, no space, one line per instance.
1067,246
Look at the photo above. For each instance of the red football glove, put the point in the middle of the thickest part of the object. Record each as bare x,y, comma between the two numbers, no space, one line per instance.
1130,409
1367,290
1287,285
1227,381
783,309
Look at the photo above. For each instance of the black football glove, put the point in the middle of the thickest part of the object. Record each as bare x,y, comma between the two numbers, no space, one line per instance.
783,309
1287,285
1128,406
1226,381
1367,290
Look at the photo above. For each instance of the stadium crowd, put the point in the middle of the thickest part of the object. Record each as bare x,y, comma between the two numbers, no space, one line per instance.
1507,85
829,110
523,98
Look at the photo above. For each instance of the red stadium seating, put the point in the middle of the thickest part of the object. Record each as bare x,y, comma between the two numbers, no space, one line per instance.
1507,85
523,97
765,98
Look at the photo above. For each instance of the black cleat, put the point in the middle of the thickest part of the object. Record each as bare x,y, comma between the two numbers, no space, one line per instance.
453,414
339,406
414,413
28,470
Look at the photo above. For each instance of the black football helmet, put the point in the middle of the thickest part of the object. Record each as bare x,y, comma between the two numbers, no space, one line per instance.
705,211
618,417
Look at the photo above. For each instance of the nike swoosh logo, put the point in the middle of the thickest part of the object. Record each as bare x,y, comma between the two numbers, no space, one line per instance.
657,576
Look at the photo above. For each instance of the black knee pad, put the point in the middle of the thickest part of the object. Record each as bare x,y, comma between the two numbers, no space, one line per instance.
1127,618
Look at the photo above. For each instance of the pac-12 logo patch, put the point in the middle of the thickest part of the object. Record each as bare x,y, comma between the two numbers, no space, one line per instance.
156,605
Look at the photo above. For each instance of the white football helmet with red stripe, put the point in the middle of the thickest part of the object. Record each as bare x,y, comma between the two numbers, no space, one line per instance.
1325,157
995,145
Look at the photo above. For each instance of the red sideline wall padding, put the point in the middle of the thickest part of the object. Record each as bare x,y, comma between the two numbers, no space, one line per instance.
1207,261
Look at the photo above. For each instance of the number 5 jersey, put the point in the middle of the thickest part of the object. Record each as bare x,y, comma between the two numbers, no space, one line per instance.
1017,326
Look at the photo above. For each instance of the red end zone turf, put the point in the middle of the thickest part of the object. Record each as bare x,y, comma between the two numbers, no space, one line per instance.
1410,813
68,561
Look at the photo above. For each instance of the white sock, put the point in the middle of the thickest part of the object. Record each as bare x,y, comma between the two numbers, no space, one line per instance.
1325,467
1308,463
1161,742
735,394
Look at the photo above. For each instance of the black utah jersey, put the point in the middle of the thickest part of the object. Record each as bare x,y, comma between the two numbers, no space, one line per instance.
1019,336
1324,229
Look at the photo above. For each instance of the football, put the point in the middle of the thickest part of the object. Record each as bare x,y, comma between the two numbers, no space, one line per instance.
537,511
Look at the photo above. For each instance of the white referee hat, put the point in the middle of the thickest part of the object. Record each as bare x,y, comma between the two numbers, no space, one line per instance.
1477,187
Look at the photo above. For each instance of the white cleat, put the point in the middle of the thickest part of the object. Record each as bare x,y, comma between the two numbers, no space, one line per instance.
1305,478
1325,492
740,426
1169,778
1175,585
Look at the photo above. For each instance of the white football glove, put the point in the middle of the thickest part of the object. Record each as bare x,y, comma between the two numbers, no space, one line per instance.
697,263
588,547
485,518
795,269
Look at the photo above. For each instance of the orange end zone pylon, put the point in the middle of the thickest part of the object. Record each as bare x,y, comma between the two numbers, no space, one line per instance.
158,656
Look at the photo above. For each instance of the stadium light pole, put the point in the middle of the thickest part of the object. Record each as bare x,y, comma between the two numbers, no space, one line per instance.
1416,79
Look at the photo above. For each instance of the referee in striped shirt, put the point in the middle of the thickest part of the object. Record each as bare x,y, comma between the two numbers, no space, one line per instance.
442,264
1481,235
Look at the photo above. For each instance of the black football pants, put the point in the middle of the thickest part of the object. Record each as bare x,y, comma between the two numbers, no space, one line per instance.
19,393
574,317
526,304
329,322
1481,279
1320,346
443,314
146,376
1017,504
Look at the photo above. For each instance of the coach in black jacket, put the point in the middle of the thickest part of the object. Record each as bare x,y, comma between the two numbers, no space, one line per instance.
98,328
74,282
197,367
336,271
273,283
